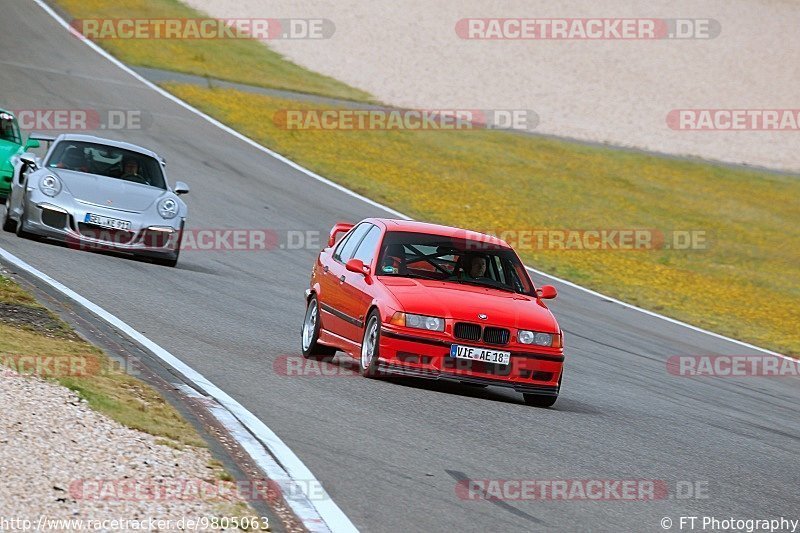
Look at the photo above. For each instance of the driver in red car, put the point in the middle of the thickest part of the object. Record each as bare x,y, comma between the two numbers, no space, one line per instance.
477,267
473,266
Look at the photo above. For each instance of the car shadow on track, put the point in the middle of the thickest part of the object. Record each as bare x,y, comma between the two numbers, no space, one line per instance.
182,264
491,393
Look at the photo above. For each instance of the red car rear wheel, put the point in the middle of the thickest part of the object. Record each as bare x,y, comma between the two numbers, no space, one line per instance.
311,348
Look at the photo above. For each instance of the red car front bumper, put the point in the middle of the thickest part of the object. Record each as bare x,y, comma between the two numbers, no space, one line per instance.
413,355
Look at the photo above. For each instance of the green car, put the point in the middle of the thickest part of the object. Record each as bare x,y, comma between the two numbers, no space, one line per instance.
10,146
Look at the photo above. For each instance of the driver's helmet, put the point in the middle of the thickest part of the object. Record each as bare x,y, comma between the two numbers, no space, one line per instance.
74,158
394,259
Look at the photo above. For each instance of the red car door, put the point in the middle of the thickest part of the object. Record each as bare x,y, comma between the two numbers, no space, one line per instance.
356,290
332,299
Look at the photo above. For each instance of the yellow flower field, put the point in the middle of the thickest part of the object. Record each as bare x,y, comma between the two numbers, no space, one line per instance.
744,283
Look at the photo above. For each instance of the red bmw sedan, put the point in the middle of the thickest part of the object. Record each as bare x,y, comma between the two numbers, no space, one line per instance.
430,301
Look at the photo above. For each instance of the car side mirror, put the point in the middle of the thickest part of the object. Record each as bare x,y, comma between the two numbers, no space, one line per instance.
357,266
28,159
181,188
546,292
32,143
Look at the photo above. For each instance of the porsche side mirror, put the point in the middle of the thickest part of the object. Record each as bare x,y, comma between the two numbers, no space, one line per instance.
29,159
357,266
32,143
181,188
546,292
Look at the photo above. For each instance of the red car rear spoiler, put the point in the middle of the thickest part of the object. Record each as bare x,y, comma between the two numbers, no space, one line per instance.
340,227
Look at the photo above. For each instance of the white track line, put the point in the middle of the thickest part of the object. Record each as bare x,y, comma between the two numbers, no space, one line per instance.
300,504
347,191
299,475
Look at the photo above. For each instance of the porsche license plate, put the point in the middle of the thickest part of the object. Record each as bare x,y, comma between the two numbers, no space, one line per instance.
480,354
106,222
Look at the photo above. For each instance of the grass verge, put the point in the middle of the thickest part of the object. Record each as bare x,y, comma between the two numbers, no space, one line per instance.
237,60
745,283
34,341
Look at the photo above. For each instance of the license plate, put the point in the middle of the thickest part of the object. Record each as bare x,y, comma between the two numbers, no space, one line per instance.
106,222
480,354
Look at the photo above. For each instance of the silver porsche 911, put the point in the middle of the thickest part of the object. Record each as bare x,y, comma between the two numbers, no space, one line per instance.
95,193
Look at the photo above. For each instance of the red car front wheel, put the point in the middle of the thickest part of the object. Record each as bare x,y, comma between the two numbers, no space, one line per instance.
370,345
537,400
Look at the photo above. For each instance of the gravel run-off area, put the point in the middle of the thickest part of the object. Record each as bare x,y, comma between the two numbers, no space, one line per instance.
61,460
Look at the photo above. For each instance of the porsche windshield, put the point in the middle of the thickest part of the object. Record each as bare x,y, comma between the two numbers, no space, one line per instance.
108,161
419,255
8,129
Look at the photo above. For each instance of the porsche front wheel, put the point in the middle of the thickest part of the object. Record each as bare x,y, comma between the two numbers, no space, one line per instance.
8,222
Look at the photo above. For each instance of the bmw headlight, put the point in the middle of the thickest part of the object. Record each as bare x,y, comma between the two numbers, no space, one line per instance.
430,323
50,185
168,208
533,337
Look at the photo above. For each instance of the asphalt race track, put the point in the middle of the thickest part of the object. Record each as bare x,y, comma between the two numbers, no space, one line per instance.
390,452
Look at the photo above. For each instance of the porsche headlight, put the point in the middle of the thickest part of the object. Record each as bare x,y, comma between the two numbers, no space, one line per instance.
534,337
50,185
168,208
430,323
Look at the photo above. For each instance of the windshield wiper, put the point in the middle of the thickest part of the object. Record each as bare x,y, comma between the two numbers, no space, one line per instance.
416,276
480,284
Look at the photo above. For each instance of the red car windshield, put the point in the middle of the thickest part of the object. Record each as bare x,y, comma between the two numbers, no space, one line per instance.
435,257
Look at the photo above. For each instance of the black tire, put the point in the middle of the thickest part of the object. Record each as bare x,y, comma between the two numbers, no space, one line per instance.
167,262
370,346
172,262
310,334
8,223
20,229
537,400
